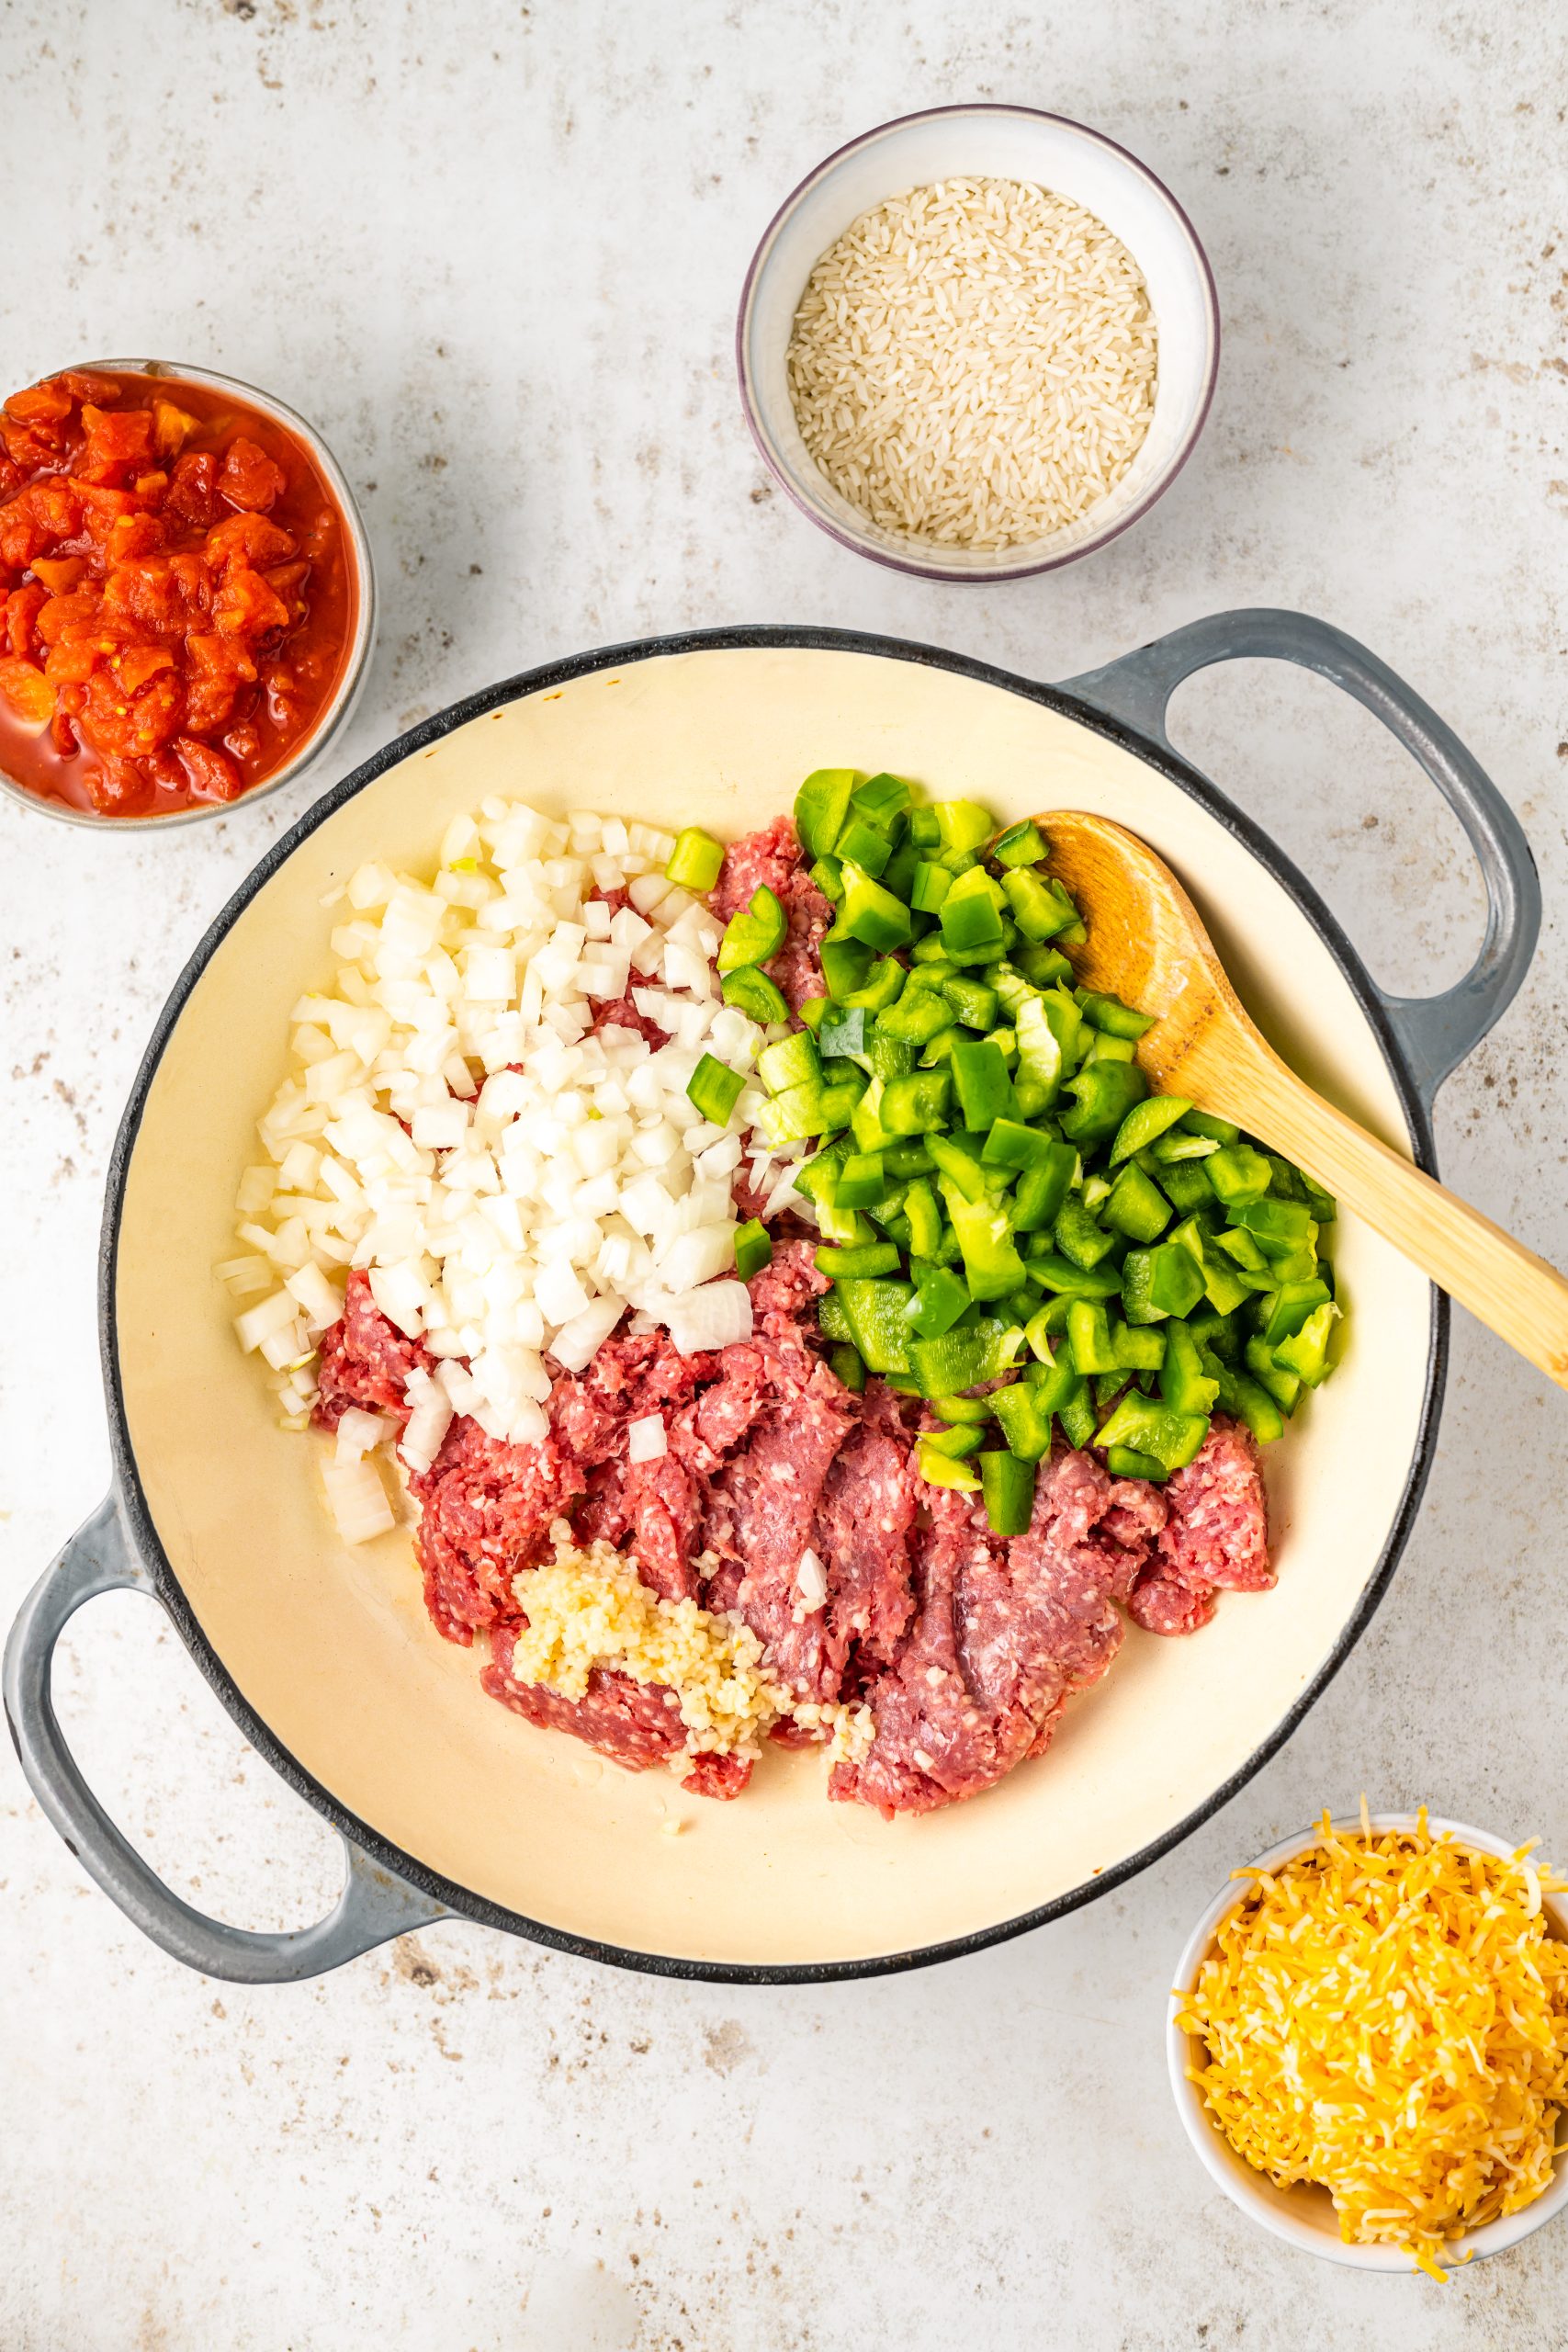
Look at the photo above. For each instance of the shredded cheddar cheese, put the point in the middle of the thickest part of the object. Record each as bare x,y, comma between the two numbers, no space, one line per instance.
1387,2015
589,1608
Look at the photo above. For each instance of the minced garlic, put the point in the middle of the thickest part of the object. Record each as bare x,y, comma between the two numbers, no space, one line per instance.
589,1608
1388,2015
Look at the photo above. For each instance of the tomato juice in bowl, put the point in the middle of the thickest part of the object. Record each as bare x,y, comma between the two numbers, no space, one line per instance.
186,596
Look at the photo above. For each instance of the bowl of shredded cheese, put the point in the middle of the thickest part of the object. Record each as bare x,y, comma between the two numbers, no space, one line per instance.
978,342
1368,2041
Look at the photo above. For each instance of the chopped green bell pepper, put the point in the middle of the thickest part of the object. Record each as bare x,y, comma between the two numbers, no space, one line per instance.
1008,1485
991,1263
962,824
752,993
1146,1123
849,1366
1041,912
1043,1188
863,1263
1136,1207
881,988
1305,1353
828,876
845,963
1252,1404
862,842
753,1247
874,1314
841,1034
940,1299
696,860
964,1356
1109,1012
791,1061
861,1181
939,1469
1203,1123
1278,1226
1012,1145
1283,1385
715,1090
916,1104
971,919
1104,1093
1089,1337
917,1017
929,886
871,914
1139,1347
981,1082
882,800
1020,844
1237,1173
1183,1384
753,934
970,1000
1077,1415
1288,1308
821,806
925,1219
1024,1424
1169,1437
957,1443
966,1408
1080,1238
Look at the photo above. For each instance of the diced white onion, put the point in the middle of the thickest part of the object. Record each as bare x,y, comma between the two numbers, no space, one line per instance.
359,1433
356,1499
258,1323
577,1342
512,1179
811,1582
648,1439
714,1317
321,1299
427,1424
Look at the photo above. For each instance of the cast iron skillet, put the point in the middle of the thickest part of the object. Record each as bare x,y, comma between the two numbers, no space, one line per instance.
386,1892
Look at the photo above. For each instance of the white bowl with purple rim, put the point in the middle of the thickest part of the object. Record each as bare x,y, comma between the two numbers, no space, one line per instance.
991,142
1303,2216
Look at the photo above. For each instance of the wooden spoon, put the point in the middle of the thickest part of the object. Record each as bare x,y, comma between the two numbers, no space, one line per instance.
1148,947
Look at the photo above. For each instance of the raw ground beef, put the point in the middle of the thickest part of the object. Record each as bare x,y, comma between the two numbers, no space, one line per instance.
774,857
365,1360
965,1645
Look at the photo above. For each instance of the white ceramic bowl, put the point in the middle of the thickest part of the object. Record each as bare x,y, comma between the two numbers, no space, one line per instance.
1303,2216
994,142
334,714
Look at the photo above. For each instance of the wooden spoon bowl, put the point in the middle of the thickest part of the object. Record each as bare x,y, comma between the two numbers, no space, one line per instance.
1147,945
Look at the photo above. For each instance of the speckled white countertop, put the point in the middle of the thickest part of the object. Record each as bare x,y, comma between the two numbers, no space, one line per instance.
495,251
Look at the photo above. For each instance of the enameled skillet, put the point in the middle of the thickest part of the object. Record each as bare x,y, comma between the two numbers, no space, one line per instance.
447,1802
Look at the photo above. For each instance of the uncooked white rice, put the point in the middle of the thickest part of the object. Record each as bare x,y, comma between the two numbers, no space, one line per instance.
973,364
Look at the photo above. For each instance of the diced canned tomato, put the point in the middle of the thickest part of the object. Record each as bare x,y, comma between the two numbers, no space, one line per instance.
169,557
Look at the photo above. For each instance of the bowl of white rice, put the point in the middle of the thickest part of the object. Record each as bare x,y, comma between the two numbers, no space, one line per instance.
978,342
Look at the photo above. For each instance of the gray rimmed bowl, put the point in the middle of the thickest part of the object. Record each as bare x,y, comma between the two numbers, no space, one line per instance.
993,142
336,713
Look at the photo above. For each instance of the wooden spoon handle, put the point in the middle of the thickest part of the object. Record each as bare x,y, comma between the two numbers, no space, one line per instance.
1504,1284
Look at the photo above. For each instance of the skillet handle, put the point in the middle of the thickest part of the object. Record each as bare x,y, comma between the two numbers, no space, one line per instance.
1435,1032
374,1906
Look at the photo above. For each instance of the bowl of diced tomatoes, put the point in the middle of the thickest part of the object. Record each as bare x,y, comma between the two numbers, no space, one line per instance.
187,595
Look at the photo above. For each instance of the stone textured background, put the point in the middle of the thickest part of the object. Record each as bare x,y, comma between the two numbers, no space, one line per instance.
495,251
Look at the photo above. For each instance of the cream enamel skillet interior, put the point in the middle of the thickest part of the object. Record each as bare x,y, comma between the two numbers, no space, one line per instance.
325,1656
